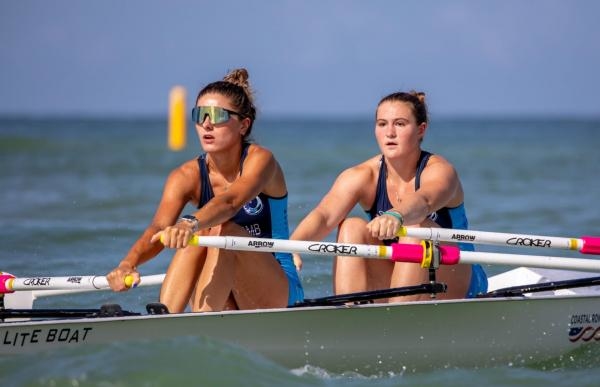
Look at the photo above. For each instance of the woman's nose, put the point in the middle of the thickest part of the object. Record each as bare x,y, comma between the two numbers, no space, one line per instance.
206,122
389,131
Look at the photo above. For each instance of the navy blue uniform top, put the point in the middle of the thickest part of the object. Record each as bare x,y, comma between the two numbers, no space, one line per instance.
446,217
263,217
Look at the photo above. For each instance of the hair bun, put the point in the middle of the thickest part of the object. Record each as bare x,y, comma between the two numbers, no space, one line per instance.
419,94
240,77
237,77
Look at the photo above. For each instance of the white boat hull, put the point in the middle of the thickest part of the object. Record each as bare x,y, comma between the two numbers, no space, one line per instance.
363,338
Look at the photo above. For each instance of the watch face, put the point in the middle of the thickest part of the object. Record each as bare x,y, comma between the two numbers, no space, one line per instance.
193,220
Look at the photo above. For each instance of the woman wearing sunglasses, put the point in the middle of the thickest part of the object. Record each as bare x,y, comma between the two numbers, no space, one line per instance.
239,189
404,185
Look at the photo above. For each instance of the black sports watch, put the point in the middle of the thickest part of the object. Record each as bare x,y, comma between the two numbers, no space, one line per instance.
191,219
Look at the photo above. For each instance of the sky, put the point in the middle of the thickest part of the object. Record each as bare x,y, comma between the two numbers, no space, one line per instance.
305,58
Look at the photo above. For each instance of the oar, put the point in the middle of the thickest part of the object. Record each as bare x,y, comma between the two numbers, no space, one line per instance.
21,296
398,252
47,285
585,244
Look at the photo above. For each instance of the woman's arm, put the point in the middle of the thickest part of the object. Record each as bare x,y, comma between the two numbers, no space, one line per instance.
350,188
260,168
440,187
178,190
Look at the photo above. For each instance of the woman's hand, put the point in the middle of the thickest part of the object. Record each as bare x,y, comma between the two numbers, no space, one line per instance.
117,278
385,226
176,236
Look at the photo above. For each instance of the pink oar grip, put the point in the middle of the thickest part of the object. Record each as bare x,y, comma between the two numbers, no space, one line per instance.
405,252
449,255
591,245
4,278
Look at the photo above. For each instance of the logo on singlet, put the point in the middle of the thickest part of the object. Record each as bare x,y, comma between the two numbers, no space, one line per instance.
433,216
254,206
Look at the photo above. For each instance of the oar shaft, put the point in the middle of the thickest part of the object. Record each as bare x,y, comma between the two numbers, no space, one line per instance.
417,253
290,246
585,245
582,264
147,280
451,255
399,252
47,285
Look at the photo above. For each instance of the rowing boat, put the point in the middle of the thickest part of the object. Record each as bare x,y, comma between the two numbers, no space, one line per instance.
364,337
541,314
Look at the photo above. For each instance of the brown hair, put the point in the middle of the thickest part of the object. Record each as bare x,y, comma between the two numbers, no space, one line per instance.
236,87
415,99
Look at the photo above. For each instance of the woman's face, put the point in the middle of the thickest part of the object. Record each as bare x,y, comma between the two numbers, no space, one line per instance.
396,129
221,136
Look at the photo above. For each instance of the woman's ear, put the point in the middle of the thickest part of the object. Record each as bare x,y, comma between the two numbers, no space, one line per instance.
245,125
422,129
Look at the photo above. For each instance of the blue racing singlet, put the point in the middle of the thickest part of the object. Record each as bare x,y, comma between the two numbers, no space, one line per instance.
263,217
446,217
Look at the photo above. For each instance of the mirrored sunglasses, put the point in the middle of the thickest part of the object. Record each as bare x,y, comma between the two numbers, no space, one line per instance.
216,114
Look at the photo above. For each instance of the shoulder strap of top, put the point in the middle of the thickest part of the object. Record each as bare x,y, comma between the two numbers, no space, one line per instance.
245,147
380,189
206,192
423,159
381,179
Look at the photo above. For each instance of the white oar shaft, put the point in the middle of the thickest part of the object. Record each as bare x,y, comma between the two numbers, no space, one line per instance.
46,285
148,280
89,282
290,246
585,245
471,257
397,252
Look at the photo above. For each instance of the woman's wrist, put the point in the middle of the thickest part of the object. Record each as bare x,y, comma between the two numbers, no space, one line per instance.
396,214
191,220
127,265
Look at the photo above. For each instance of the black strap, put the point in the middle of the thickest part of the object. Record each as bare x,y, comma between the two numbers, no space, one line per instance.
108,310
369,296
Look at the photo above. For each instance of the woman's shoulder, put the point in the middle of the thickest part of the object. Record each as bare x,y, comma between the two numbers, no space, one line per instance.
363,170
259,150
187,171
370,165
438,160
183,181
438,165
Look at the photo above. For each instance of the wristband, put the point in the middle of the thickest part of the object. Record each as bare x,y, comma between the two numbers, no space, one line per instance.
191,219
396,215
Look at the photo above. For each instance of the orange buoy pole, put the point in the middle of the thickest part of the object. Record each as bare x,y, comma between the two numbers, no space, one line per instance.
177,129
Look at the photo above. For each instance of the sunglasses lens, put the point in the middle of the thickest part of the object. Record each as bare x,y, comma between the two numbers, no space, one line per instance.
216,115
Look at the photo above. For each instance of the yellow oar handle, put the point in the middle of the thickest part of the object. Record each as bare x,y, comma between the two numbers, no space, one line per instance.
401,232
194,240
129,281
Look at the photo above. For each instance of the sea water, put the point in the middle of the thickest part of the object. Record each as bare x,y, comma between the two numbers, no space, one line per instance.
75,193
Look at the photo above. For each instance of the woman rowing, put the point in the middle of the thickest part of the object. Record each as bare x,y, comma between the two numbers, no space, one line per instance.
239,190
404,185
